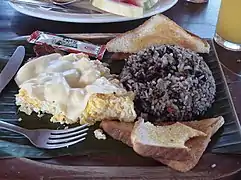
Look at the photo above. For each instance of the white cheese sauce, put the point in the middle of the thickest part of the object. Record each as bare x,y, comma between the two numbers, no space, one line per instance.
68,81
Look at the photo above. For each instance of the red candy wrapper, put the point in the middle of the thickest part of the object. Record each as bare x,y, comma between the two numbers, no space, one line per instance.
67,44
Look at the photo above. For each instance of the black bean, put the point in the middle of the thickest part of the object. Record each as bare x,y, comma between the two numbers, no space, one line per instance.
170,82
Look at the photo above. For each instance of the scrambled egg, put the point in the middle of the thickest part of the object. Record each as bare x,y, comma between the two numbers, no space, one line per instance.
99,134
109,107
73,89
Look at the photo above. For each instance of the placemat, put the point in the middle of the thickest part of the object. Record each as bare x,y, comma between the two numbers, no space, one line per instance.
227,140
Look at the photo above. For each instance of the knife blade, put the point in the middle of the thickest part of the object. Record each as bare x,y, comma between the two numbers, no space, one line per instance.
54,7
11,67
44,5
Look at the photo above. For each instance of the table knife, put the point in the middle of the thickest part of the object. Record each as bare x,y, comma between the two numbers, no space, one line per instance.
11,67
54,7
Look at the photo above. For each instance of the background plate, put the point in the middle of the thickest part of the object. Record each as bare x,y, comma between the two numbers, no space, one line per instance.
160,7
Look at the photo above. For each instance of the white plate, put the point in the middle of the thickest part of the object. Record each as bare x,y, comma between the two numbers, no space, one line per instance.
43,13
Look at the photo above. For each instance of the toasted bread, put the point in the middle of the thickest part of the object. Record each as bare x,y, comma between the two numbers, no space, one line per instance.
197,145
118,131
163,141
158,30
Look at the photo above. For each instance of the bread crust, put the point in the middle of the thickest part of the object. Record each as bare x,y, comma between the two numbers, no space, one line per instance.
122,134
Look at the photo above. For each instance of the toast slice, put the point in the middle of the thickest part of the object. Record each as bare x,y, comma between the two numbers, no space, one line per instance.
197,145
163,141
157,30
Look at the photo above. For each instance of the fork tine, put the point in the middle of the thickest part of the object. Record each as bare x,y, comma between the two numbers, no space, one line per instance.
55,146
53,141
55,136
69,130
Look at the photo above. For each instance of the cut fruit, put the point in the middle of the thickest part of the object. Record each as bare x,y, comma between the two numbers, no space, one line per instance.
119,8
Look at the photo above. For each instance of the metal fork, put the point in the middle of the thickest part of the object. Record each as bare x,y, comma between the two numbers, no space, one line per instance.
50,139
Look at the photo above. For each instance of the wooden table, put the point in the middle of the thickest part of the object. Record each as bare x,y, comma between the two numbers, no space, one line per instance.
199,19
